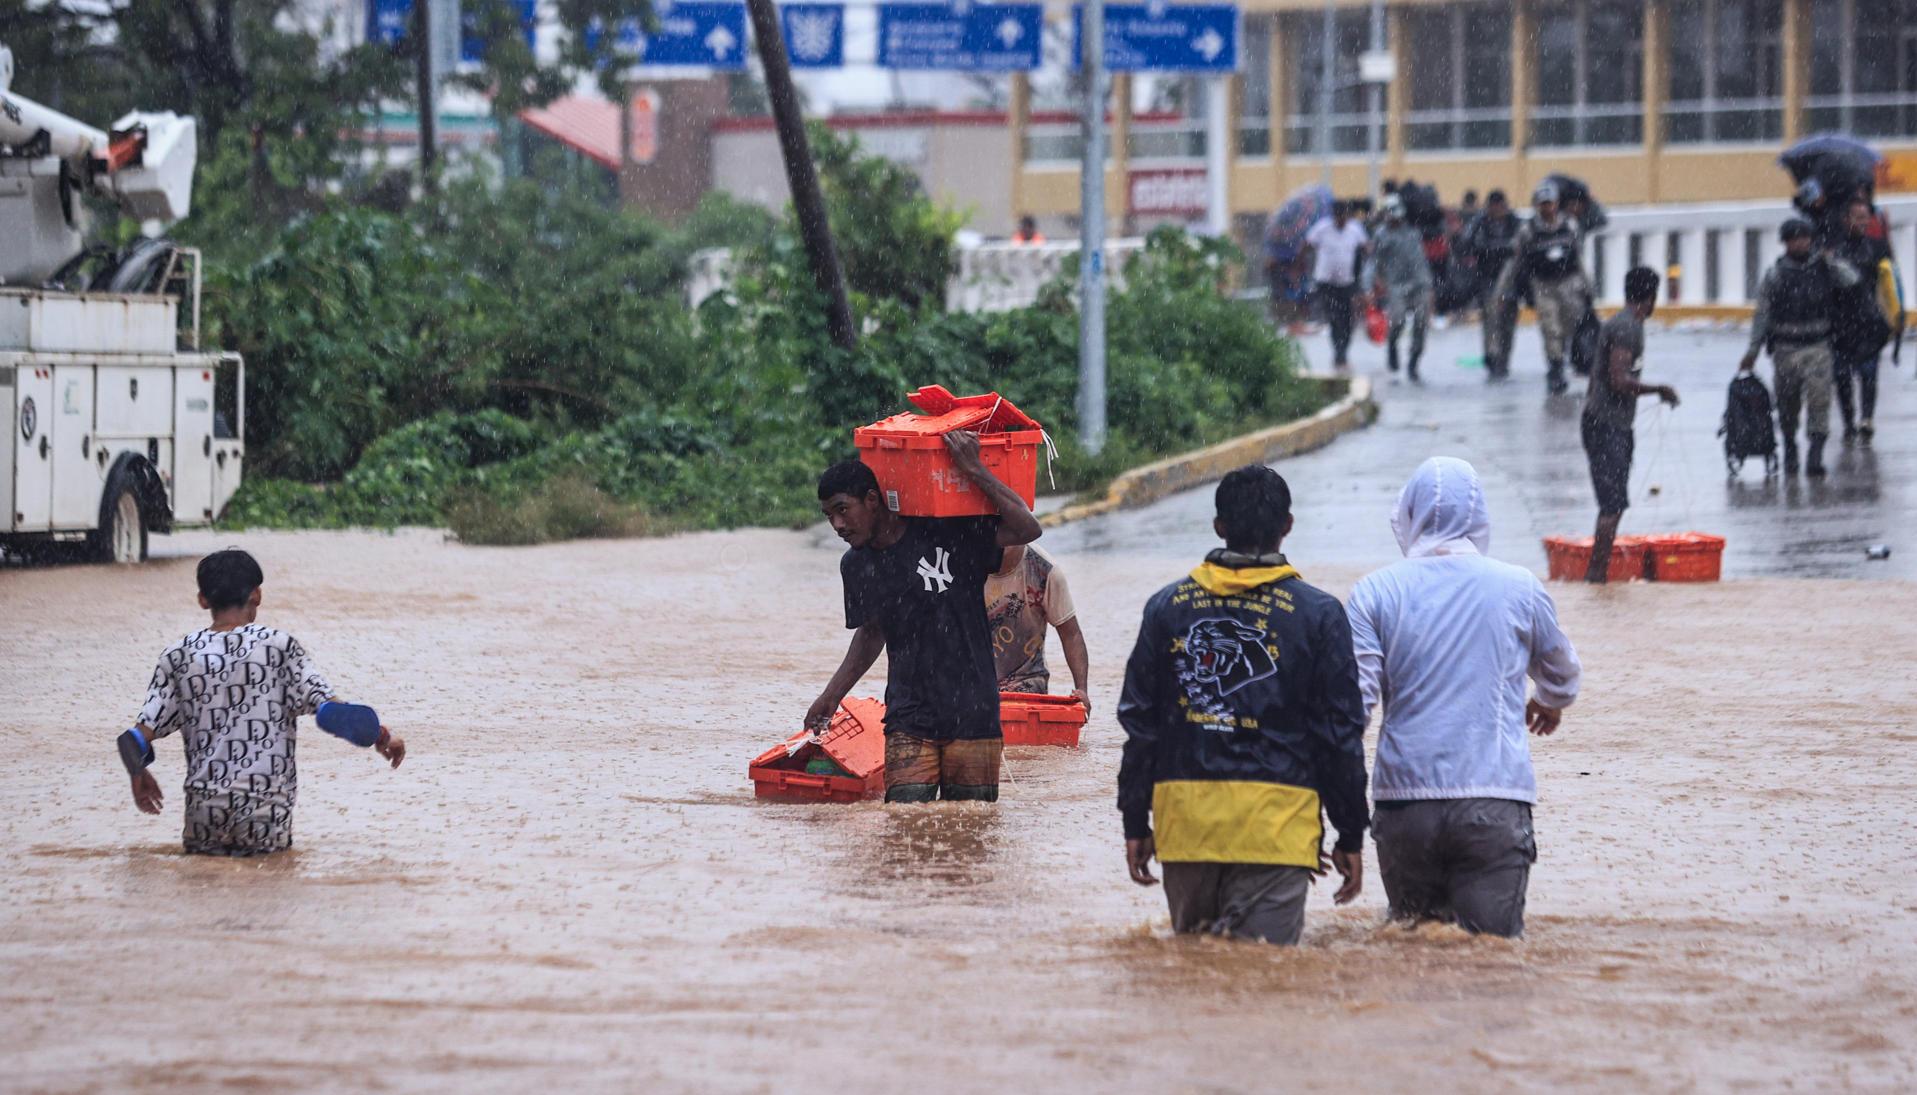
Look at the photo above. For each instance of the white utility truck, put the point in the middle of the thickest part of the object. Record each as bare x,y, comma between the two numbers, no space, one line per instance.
120,424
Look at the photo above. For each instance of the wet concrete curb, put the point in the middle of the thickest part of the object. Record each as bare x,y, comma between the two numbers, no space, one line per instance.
1144,485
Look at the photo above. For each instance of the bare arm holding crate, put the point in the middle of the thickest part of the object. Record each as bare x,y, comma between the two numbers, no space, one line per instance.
1016,524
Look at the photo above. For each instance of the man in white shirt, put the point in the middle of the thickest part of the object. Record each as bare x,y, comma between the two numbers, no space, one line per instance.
1335,243
1446,639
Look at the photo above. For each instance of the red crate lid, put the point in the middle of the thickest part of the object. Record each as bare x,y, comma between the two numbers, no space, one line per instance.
944,412
855,740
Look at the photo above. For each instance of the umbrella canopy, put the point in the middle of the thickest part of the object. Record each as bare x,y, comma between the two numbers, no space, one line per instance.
1838,161
1285,235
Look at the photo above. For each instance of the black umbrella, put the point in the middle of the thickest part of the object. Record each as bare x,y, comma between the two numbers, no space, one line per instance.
1838,161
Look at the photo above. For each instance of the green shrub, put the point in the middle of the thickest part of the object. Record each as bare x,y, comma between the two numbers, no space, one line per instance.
568,507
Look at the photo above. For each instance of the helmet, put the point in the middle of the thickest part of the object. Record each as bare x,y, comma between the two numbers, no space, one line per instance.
1794,227
1393,205
1546,192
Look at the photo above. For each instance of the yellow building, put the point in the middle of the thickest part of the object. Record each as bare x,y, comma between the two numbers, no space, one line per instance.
1653,101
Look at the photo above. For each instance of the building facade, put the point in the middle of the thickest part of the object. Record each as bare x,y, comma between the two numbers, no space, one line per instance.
1651,101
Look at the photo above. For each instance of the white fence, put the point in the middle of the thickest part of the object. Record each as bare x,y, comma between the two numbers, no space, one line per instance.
991,277
1721,251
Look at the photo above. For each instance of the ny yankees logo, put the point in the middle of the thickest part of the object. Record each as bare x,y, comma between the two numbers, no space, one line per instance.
941,572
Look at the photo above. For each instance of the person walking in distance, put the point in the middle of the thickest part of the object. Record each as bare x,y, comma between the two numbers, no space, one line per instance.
1487,244
1399,271
915,588
1242,719
1444,639
1545,259
1335,243
1610,411
1869,314
1795,303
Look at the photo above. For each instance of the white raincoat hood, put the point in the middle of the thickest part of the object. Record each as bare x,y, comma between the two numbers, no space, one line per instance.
1441,511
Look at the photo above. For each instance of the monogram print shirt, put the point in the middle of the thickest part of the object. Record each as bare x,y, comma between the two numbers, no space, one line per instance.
926,593
1020,604
235,696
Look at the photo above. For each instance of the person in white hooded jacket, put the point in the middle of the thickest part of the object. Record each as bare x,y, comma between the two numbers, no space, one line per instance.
1445,639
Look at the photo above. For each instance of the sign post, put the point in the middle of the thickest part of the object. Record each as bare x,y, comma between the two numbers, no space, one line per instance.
1091,237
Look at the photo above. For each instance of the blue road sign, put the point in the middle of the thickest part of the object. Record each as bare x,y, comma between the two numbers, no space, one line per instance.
387,21
814,34
962,37
472,47
1161,37
705,34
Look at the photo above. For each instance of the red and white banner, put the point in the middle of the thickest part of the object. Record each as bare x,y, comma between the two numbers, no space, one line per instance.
1168,192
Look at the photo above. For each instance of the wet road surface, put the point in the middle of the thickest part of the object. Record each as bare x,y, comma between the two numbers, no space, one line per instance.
570,885
1527,449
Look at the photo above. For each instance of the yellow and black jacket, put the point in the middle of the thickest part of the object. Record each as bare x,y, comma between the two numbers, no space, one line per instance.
1242,715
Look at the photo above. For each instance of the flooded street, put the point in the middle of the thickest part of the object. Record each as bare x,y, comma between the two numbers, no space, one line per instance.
570,884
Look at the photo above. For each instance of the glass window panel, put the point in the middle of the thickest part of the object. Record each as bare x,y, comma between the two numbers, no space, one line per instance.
1827,52
1688,42
1429,44
1614,44
1557,57
1255,69
1487,56
1875,51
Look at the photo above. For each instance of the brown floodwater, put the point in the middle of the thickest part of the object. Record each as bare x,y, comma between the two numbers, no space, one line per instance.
570,884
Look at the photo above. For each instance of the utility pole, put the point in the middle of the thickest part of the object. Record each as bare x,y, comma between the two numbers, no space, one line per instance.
423,86
1374,91
800,173
1327,84
1091,236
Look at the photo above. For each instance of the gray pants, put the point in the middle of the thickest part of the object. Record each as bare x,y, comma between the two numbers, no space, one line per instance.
1561,304
1462,860
1238,900
1803,381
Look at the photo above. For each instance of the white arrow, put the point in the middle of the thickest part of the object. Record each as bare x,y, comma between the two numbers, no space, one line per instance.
1010,32
1209,44
721,41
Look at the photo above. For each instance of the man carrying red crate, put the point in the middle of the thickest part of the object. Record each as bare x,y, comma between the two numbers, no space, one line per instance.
1027,594
1242,717
915,588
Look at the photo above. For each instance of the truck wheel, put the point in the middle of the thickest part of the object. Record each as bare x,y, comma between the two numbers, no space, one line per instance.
121,537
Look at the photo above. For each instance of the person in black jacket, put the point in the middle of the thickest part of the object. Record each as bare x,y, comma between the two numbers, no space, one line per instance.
1242,719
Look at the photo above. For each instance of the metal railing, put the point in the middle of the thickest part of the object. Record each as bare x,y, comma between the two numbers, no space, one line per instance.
1720,250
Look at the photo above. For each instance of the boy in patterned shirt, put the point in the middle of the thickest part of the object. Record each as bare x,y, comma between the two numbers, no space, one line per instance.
236,689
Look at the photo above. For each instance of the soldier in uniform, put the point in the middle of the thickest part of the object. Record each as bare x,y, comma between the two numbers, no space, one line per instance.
1545,257
1796,303
1403,276
1488,243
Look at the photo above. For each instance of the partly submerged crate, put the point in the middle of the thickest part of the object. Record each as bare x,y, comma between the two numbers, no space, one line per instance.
1033,718
916,474
1570,558
1685,557
847,762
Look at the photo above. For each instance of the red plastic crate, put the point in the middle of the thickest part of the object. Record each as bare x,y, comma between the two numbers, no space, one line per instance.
1570,558
907,453
1033,718
1685,557
855,741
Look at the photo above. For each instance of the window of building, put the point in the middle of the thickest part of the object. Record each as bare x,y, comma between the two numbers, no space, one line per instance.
1460,75
1254,84
1590,82
1304,61
1864,67
1726,71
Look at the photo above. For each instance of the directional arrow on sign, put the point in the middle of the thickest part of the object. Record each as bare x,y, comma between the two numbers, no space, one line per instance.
1010,32
1209,44
721,41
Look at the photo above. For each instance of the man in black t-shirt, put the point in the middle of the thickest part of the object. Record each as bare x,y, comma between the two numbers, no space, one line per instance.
915,587
1610,412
